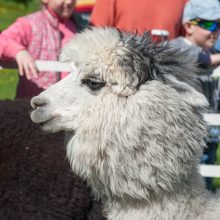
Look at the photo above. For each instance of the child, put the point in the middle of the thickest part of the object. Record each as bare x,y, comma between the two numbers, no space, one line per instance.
201,23
38,36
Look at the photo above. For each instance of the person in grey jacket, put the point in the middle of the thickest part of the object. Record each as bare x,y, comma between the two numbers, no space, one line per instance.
201,21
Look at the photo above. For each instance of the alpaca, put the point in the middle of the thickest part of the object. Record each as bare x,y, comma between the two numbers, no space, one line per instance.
135,126
36,181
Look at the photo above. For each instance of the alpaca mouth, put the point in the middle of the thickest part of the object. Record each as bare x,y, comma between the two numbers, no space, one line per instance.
48,121
46,125
40,117
45,122
50,125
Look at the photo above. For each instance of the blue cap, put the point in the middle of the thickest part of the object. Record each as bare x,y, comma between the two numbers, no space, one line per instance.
204,9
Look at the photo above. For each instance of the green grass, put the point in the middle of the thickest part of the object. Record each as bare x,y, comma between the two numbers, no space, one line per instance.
8,83
9,12
216,181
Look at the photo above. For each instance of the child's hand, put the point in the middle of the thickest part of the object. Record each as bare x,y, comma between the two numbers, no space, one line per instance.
26,64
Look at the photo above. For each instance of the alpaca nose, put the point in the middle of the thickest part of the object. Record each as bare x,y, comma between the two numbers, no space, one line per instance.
39,101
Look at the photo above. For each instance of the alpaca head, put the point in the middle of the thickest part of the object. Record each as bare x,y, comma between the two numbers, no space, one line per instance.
134,118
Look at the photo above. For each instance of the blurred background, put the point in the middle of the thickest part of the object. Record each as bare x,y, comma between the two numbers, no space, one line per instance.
9,11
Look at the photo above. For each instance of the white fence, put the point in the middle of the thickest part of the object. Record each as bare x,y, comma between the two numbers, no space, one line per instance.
216,72
211,119
59,66
42,66
209,170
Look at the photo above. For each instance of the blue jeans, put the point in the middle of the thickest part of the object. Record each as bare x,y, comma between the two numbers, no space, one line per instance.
209,157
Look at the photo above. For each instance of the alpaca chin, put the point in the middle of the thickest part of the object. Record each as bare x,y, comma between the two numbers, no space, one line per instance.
48,126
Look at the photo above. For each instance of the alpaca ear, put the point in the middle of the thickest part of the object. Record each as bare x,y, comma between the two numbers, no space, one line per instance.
69,53
67,56
188,93
195,98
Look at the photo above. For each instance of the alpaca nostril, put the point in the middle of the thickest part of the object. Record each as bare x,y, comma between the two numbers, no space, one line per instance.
38,101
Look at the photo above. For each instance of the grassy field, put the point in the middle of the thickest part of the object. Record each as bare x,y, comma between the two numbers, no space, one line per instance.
8,83
8,13
216,181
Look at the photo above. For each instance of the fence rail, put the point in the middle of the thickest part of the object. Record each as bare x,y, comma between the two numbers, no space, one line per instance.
216,72
209,170
211,119
42,65
56,66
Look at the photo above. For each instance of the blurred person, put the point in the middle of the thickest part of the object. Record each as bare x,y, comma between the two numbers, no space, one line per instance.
38,36
201,21
140,15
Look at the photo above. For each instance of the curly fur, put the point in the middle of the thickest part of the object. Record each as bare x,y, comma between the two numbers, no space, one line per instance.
135,127
35,179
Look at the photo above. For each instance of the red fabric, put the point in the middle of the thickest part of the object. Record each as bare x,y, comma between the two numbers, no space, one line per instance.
140,15
84,8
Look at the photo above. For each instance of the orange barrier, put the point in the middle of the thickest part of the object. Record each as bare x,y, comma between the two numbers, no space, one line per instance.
84,6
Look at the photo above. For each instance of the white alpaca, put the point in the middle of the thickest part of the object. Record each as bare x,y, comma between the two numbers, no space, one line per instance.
135,125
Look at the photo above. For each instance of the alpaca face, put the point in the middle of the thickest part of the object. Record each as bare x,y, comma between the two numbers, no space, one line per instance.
106,70
136,120
59,107
103,62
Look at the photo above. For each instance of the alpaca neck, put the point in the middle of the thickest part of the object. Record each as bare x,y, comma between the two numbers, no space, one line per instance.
190,195
167,207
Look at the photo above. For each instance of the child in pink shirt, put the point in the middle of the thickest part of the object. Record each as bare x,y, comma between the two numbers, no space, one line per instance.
38,36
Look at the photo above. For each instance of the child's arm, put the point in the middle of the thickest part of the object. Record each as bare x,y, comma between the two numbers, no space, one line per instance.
13,43
207,59
215,59
26,64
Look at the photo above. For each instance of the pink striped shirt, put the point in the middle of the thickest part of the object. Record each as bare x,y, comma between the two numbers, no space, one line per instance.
43,34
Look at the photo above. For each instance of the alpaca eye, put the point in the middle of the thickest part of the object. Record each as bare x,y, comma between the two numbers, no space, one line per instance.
93,84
